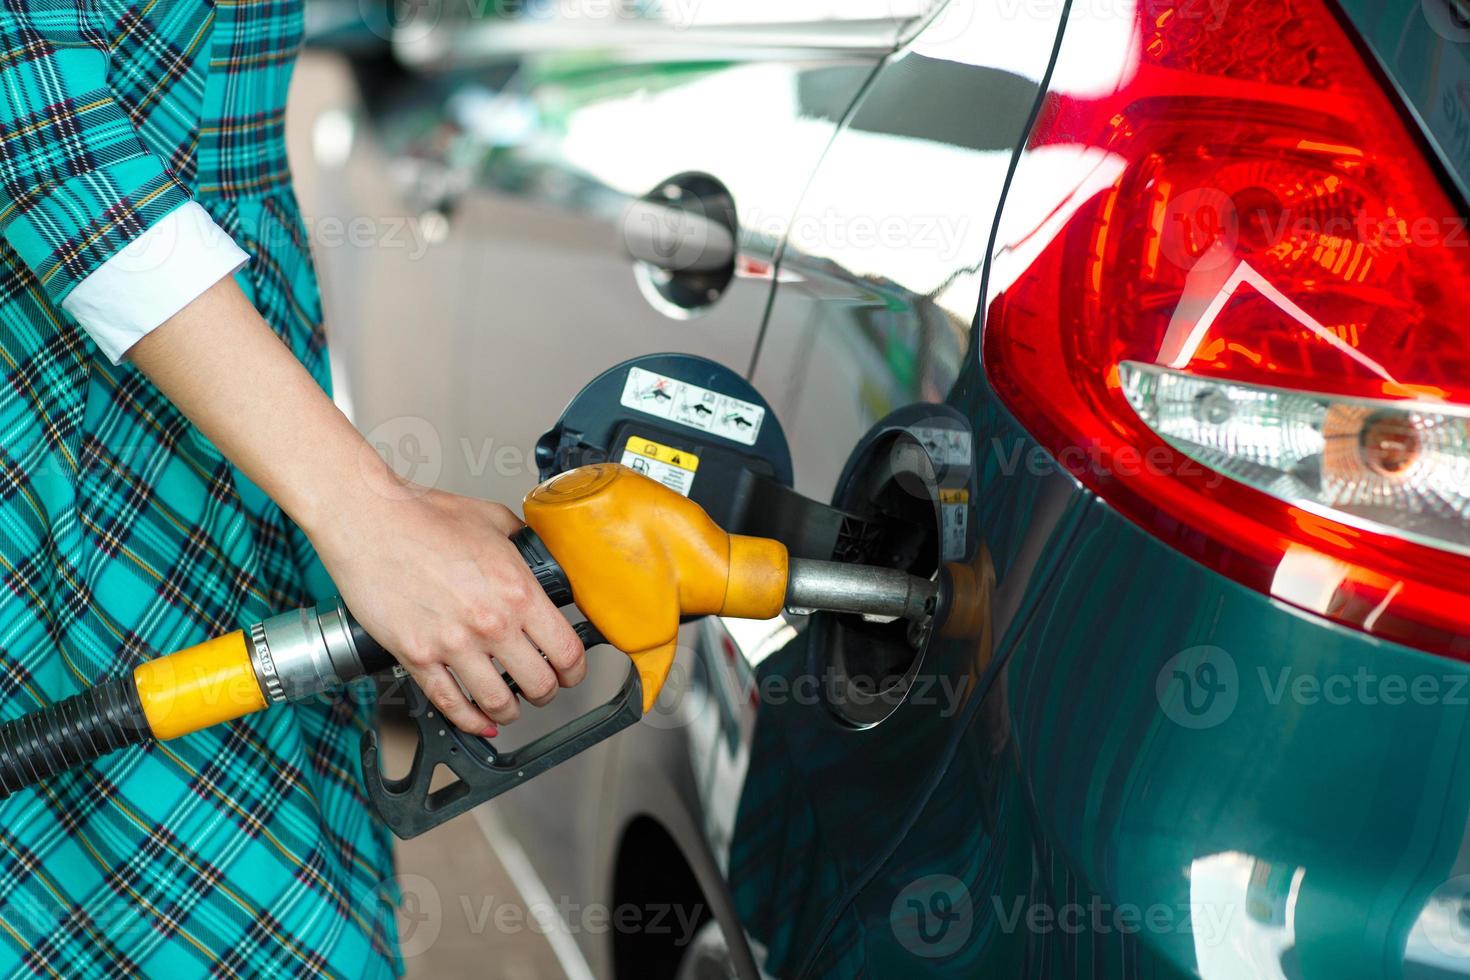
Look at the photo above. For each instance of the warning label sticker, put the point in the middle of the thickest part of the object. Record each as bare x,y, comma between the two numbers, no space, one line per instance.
699,408
674,468
954,505
948,447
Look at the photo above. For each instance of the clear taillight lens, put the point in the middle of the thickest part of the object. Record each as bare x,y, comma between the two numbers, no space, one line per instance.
1401,468
1255,329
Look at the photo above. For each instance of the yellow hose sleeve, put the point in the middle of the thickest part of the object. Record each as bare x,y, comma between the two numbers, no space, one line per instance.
204,685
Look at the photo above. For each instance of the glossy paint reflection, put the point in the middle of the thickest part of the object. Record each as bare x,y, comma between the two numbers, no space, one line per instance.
880,277
885,252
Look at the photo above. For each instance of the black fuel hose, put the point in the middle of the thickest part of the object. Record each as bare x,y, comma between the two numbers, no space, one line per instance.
71,733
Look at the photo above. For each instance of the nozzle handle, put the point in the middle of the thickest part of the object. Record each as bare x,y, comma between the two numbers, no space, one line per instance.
549,574
410,807
70,733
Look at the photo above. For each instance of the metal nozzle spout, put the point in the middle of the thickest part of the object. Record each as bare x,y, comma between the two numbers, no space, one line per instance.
867,590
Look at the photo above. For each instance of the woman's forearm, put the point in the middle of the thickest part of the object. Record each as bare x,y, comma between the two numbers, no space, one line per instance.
225,369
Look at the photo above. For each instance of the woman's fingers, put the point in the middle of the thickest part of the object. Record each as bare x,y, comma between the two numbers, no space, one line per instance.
481,678
538,642
548,629
533,675
444,694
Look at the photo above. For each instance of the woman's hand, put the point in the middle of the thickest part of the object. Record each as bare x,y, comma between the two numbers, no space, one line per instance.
435,578
430,575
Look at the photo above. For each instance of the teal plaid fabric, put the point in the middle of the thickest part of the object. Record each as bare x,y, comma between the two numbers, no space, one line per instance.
124,534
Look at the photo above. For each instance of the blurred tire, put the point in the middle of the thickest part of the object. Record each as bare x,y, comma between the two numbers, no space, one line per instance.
708,956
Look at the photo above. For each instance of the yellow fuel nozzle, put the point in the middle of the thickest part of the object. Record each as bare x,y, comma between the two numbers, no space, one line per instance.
640,556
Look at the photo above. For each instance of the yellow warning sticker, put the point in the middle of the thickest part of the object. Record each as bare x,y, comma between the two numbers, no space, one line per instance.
954,512
674,468
664,454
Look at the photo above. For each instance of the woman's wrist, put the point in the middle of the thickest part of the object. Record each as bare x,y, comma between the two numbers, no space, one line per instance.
342,492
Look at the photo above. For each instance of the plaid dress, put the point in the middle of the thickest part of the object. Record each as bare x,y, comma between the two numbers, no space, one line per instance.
124,534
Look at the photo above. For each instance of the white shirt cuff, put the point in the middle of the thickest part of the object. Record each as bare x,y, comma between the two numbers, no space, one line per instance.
159,273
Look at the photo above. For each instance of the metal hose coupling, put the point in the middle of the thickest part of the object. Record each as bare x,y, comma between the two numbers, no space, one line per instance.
306,651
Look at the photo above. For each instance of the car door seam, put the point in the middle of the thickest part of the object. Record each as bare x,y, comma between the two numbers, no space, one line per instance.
866,876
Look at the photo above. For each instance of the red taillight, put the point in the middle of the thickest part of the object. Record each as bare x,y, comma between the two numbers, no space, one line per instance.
1251,336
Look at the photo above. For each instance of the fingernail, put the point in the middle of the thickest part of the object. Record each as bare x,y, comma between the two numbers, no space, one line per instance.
490,731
